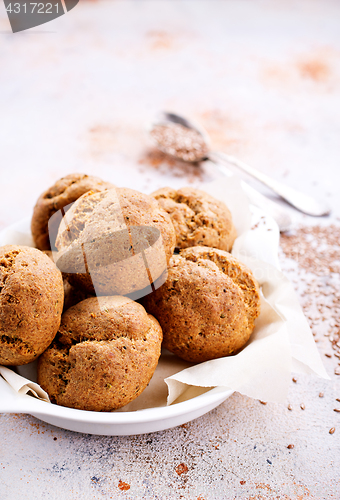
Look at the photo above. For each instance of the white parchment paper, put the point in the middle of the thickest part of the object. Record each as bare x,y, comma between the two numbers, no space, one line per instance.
22,385
281,342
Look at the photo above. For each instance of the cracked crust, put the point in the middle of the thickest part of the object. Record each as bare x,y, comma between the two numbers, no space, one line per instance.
207,306
65,191
104,355
115,242
198,218
31,302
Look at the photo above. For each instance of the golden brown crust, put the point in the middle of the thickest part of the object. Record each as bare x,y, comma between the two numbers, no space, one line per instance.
104,355
204,311
108,238
31,302
65,191
198,218
236,270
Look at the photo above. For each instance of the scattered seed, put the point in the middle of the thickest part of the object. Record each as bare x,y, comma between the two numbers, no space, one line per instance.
290,446
294,380
262,402
242,482
337,371
337,410
290,407
321,394
320,292
332,430
328,355
338,400
302,406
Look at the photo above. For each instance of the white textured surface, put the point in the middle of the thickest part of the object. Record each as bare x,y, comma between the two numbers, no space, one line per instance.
263,78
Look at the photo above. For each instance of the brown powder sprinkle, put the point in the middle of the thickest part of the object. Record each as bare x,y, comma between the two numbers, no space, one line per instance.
156,159
123,486
179,141
181,469
314,69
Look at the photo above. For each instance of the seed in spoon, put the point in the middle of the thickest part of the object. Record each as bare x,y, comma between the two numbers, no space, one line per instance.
182,142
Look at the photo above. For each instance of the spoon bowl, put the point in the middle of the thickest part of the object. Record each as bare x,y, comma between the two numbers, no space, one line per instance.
185,140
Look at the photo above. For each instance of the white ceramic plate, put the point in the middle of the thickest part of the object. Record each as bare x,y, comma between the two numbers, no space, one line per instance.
114,423
107,423
104,423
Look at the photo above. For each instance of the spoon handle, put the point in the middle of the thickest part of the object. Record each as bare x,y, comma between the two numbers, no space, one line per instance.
280,215
299,200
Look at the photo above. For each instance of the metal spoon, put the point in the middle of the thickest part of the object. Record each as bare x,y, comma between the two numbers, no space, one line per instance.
301,201
280,215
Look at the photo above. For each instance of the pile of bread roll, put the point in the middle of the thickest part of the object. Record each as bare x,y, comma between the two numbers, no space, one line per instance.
116,275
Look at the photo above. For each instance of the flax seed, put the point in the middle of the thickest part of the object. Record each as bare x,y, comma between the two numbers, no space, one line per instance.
179,141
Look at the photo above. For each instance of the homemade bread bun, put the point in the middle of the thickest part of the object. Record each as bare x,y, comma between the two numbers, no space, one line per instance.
65,191
104,355
198,218
31,302
115,242
207,306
